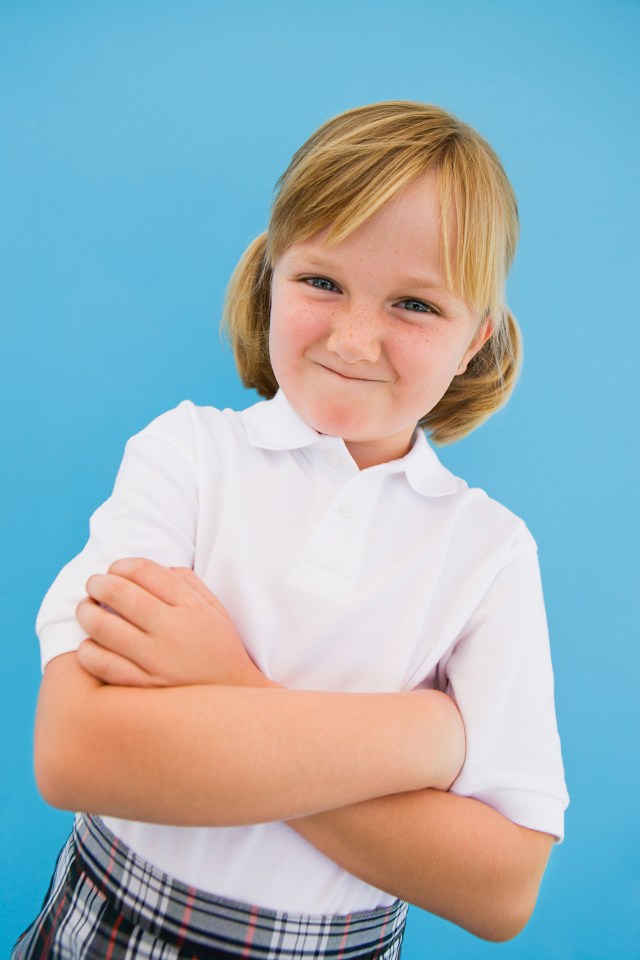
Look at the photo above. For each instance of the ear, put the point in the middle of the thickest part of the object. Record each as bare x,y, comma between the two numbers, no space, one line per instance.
482,335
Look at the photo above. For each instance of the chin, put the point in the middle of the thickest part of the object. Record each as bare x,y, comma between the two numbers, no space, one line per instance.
334,420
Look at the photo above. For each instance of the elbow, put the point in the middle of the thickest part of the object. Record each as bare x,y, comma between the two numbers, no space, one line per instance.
64,748
505,918
503,897
65,778
516,895
498,924
52,774
495,912
503,927
49,786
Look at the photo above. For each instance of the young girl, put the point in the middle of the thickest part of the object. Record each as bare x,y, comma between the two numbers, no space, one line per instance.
299,676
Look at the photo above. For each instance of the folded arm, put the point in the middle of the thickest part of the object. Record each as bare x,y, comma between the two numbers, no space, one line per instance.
450,855
350,768
213,755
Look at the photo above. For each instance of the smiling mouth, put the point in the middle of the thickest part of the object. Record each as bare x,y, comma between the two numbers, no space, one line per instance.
347,376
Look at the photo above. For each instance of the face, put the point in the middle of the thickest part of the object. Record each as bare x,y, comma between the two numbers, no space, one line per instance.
365,338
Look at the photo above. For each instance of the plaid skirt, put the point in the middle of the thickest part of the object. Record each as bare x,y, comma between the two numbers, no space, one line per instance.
107,903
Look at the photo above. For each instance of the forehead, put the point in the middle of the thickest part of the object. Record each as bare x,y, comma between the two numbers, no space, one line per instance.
407,228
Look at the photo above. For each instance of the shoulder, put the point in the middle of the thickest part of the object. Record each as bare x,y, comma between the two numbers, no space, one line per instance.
477,524
192,430
491,522
186,422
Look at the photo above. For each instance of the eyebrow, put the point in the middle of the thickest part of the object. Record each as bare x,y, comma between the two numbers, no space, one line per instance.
408,280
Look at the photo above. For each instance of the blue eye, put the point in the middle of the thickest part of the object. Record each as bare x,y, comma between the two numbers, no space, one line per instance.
321,283
417,306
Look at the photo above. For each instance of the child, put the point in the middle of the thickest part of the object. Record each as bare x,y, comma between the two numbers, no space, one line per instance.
259,667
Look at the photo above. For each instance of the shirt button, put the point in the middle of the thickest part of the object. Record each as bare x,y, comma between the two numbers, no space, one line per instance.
331,457
346,510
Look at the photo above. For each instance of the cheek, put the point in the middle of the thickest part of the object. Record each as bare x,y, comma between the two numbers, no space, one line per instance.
286,347
296,325
279,351
426,362
412,351
277,346
280,326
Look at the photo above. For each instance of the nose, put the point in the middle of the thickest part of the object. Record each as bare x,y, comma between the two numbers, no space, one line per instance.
355,337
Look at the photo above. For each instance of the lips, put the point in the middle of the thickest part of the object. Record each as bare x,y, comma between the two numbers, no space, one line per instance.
347,376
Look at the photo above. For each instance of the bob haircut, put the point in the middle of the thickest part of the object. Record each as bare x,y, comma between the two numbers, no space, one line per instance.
346,171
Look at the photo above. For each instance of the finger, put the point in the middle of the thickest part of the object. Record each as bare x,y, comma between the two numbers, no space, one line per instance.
193,581
127,599
111,631
154,577
111,668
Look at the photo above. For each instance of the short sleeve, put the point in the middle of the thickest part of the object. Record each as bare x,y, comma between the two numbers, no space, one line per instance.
501,678
151,513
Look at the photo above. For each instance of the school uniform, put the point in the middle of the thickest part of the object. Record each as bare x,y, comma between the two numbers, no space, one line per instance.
381,580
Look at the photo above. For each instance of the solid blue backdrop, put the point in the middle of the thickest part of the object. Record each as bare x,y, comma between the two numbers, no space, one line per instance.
140,145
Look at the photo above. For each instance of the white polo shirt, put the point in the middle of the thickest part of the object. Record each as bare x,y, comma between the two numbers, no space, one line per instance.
378,580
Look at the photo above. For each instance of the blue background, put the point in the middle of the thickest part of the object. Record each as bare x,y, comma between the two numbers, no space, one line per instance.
140,145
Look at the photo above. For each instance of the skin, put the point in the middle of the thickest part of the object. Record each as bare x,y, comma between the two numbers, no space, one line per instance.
365,339
450,855
136,725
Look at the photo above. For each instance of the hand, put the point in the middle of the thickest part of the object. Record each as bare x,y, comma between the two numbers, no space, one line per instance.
154,626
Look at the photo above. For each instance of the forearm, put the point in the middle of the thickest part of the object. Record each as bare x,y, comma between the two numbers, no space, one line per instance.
216,755
450,855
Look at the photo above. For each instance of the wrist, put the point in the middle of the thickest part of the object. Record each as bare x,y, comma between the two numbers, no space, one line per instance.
267,684
446,740
454,738
254,677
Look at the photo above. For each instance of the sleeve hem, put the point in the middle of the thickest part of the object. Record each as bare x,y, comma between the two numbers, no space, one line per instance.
59,638
536,811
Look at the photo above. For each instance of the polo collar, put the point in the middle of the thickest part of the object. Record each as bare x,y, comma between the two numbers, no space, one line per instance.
424,471
275,425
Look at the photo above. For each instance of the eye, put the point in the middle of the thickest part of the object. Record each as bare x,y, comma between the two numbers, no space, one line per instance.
417,306
322,283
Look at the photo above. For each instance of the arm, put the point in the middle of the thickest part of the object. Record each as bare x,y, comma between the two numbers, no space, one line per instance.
211,754
453,856
456,856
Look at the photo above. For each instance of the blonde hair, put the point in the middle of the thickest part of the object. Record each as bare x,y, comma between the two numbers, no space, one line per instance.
346,171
